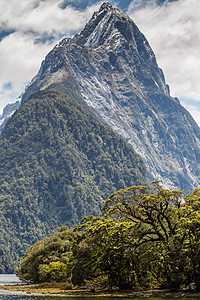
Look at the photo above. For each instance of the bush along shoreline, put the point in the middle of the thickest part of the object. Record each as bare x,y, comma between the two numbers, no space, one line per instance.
147,238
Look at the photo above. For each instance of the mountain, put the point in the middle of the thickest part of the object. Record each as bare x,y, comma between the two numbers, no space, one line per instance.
110,66
98,98
58,163
8,112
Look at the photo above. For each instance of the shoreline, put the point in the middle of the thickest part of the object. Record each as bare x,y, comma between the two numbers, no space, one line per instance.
92,292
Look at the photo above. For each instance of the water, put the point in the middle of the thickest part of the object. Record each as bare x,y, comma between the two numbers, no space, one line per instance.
9,279
13,279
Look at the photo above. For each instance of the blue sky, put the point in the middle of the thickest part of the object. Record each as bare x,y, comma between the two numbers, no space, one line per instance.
29,29
123,4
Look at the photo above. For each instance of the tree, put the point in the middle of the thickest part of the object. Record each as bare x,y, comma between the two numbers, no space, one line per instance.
109,258
147,236
191,227
47,260
157,214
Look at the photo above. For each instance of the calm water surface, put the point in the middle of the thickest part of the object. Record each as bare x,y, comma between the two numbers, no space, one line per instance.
9,279
12,279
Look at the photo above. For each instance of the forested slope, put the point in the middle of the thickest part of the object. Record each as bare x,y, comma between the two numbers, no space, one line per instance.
57,164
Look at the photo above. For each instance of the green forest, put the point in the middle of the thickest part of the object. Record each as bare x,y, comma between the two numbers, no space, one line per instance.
57,165
148,236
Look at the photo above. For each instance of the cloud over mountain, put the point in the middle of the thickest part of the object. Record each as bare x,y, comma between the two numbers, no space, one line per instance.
28,30
173,32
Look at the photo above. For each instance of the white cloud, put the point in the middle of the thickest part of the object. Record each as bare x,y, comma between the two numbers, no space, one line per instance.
141,4
173,32
193,109
19,60
20,55
43,16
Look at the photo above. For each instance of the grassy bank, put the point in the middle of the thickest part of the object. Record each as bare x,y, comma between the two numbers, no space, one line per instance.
66,289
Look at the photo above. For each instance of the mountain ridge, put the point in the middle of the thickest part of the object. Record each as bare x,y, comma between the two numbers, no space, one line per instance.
117,75
111,67
59,162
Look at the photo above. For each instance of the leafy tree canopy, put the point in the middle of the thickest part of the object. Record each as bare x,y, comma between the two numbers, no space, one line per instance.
148,236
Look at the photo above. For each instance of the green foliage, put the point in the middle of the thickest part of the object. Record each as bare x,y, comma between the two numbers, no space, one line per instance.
57,164
107,256
167,231
148,236
47,259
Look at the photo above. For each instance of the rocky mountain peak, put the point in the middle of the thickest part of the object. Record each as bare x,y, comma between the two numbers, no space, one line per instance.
110,67
108,25
105,6
64,162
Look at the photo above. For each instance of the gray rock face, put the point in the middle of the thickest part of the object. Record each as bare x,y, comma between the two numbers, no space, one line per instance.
8,112
111,65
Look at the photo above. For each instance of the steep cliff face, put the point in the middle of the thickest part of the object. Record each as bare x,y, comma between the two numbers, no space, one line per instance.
111,66
8,112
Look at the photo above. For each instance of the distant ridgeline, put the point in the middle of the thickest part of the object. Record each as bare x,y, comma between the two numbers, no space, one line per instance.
57,165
